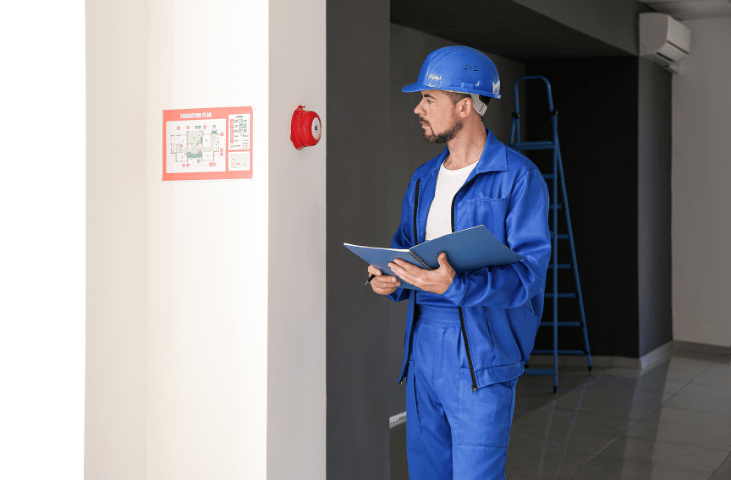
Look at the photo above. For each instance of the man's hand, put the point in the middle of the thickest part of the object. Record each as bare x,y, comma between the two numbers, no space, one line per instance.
383,284
435,281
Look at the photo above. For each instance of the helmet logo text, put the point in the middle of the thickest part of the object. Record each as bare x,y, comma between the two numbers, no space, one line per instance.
434,80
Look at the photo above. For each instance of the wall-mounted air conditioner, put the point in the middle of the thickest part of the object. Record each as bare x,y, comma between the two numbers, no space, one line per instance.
663,39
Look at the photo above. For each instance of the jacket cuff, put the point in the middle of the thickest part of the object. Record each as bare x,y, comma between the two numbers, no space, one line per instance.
398,295
455,292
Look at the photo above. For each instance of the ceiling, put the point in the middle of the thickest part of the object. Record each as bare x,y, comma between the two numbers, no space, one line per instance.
506,28
494,26
691,9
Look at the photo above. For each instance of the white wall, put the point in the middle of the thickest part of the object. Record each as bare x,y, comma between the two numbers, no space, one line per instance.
116,307
173,277
42,220
296,401
701,217
207,251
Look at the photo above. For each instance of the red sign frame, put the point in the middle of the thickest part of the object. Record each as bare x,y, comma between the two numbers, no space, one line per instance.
237,139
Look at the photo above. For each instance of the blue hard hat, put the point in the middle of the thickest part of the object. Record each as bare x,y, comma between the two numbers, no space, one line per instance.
458,69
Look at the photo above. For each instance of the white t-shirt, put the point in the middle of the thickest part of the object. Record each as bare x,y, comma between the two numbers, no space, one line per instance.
439,221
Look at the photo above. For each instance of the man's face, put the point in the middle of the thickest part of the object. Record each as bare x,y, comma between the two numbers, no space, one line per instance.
438,116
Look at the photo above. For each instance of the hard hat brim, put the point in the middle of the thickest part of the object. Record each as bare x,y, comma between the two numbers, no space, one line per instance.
415,87
420,87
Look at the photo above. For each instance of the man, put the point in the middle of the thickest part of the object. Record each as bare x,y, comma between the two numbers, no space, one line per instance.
468,334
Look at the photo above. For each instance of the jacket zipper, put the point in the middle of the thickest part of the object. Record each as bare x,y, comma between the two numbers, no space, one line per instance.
416,206
416,241
461,315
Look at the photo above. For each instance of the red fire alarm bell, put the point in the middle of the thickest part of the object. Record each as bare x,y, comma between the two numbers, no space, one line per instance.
306,128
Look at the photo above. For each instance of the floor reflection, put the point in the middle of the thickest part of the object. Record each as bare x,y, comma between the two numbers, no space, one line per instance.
669,422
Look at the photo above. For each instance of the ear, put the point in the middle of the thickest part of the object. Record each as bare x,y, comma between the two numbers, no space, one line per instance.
465,107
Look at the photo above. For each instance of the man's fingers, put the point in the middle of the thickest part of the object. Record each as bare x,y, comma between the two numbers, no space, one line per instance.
385,284
374,271
384,291
402,271
380,278
385,281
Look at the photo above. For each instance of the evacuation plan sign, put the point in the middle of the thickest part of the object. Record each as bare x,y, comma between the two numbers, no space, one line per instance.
207,143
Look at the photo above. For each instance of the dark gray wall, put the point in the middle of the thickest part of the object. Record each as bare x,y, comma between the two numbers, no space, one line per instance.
654,200
597,128
357,212
407,151
614,130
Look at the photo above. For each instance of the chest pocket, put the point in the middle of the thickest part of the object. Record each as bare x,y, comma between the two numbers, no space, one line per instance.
490,212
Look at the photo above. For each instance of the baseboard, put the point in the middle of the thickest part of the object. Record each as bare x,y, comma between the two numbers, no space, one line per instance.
397,419
657,356
702,348
647,361
580,361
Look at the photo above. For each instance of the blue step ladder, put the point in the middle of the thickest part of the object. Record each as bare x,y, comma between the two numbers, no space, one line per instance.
555,207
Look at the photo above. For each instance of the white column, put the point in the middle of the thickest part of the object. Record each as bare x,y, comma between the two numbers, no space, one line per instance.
207,251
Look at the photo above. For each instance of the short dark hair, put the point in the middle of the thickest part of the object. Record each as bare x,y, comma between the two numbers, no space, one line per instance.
457,96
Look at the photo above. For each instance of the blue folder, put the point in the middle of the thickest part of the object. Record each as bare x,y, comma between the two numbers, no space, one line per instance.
466,250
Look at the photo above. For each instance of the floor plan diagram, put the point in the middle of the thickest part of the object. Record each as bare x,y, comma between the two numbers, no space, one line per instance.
212,143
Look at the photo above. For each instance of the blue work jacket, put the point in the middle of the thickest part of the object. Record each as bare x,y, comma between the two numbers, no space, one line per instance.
500,307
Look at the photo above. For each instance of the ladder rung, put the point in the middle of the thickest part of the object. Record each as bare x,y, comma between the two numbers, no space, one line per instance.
560,352
561,295
548,176
560,207
525,146
572,352
540,371
561,324
561,266
561,236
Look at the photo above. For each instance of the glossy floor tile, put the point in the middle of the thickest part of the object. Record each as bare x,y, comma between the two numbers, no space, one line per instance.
608,468
667,454
724,471
672,421
693,435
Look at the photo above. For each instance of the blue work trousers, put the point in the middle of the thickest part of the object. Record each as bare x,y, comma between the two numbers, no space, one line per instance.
451,432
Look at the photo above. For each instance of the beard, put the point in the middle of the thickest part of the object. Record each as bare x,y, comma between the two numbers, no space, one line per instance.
443,137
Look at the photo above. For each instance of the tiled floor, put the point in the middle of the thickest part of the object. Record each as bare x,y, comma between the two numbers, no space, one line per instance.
669,422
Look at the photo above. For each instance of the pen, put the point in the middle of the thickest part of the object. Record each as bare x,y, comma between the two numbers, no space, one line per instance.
369,279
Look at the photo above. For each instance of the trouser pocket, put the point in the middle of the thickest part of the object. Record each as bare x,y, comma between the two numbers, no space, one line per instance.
413,424
485,415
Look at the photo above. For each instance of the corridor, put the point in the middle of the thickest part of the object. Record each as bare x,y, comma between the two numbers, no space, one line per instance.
671,421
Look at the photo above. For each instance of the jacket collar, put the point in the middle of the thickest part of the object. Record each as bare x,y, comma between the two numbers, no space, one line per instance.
493,159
